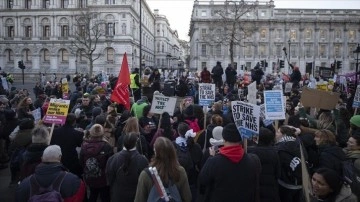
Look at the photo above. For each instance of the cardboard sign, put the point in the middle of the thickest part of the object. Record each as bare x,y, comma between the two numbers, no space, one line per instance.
274,105
262,116
206,94
319,99
251,96
57,111
246,117
356,102
37,115
288,87
65,88
161,104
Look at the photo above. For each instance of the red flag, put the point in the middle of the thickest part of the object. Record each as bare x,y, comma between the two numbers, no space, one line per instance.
120,93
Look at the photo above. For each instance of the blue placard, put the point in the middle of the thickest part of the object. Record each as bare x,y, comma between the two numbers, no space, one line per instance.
274,105
206,94
356,102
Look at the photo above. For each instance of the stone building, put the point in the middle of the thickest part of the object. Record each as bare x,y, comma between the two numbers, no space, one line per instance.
41,34
317,36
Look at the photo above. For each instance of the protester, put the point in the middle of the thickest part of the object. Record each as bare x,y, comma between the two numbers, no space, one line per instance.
72,188
169,171
123,169
205,76
154,79
352,150
230,73
217,73
165,129
135,84
24,109
148,123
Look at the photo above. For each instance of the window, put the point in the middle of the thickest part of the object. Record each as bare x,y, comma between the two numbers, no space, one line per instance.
263,13
46,31
352,34
64,55
308,34
203,32
64,31
82,3
109,2
262,50
279,34
82,31
337,50
293,34
278,50
322,50
46,3
110,55
293,50
218,50
203,49
10,31
64,3
308,51
123,15
203,13
162,48
27,55
10,3
248,51
82,56
158,62
45,55
322,34
158,47
27,4
351,50
110,29
9,55
263,33
338,34
28,31
123,28
203,64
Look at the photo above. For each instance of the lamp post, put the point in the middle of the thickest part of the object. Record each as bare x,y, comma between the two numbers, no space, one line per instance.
357,51
289,42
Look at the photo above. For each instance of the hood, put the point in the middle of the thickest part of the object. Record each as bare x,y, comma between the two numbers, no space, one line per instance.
233,153
352,154
345,194
333,150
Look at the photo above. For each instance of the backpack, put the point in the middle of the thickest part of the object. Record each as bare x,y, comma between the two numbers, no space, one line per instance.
193,124
351,176
94,162
291,167
48,194
171,190
184,158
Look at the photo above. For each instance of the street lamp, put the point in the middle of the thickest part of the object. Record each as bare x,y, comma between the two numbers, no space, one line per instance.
289,42
357,51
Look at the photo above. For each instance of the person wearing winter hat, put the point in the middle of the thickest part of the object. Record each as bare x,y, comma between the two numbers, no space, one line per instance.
96,147
218,138
355,124
232,170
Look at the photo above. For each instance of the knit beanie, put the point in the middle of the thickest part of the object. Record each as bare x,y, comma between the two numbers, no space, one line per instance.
218,138
96,130
355,120
230,133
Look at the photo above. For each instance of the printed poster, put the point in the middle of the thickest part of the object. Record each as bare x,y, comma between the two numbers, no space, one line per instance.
246,117
206,94
57,111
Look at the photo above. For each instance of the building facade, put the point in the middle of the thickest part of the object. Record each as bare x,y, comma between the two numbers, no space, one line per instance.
317,36
41,34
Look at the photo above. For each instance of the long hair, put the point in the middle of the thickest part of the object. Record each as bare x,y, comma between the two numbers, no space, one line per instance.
326,137
132,125
165,160
22,103
129,143
325,120
166,126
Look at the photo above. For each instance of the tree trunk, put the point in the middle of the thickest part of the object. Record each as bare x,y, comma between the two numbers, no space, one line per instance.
91,66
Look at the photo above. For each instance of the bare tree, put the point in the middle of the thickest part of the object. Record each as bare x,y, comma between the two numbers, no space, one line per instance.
229,28
88,29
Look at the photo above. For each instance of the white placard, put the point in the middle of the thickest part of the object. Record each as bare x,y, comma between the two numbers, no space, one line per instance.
161,104
4,83
288,87
246,118
252,91
206,94
274,105
37,115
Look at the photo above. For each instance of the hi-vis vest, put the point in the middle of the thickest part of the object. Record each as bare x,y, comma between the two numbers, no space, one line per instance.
132,81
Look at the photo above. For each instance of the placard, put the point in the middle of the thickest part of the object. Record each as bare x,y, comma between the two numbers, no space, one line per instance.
288,87
356,102
206,94
262,116
319,98
57,111
37,115
252,91
65,88
274,105
4,83
246,117
161,104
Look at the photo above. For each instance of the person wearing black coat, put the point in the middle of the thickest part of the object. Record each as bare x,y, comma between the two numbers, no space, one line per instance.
68,139
270,164
295,77
216,74
230,73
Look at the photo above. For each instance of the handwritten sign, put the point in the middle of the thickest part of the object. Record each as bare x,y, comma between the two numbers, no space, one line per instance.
246,118
251,96
161,104
356,102
274,105
57,111
206,94
65,88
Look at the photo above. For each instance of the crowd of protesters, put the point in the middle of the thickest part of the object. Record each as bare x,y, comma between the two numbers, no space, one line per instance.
103,150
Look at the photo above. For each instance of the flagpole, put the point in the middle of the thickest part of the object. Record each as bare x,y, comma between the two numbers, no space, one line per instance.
140,59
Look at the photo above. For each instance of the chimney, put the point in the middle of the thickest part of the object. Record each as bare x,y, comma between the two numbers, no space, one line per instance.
156,11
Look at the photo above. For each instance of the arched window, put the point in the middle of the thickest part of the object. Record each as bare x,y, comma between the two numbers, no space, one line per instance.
27,4
110,55
28,28
27,56
10,28
45,56
64,55
9,55
45,23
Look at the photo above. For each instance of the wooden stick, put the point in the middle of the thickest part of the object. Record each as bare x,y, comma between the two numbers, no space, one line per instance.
276,125
52,130
245,145
159,122
355,112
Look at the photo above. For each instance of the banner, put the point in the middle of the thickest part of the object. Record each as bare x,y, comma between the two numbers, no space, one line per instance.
161,104
274,105
65,88
57,111
37,115
252,91
246,117
206,94
356,102
319,98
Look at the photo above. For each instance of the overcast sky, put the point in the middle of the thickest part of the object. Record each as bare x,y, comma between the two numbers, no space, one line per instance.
178,12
